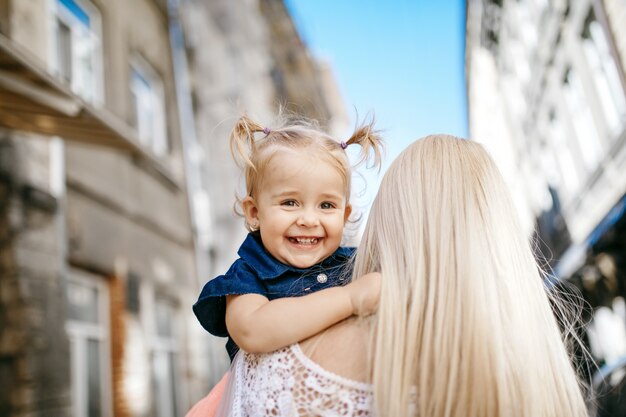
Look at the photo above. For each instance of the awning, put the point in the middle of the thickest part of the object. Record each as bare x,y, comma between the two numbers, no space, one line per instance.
32,100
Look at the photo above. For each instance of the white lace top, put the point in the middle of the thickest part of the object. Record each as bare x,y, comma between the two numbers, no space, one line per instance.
287,383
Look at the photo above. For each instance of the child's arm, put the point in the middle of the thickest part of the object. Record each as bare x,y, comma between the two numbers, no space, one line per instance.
258,325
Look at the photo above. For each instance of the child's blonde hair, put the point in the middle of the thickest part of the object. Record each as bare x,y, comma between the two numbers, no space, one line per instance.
253,146
464,325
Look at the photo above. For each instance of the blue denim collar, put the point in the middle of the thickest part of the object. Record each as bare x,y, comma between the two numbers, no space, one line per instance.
266,266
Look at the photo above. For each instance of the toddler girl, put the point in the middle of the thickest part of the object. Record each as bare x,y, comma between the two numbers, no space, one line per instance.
288,283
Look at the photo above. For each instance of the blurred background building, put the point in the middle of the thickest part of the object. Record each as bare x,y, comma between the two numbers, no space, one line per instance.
117,184
546,95
116,190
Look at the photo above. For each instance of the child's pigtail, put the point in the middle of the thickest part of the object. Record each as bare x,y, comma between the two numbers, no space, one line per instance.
242,141
370,141
242,147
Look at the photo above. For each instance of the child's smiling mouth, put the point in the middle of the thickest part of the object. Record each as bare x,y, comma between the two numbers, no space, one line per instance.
306,241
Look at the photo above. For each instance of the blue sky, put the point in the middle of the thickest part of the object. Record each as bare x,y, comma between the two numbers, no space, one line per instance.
401,59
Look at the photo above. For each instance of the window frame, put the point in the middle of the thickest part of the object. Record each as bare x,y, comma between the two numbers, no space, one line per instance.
79,334
59,13
604,75
158,142
571,179
166,348
584,127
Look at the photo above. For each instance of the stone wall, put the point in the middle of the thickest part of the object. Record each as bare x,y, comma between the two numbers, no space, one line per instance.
34,350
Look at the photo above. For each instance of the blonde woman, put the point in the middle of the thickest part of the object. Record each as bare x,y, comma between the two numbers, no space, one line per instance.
464,326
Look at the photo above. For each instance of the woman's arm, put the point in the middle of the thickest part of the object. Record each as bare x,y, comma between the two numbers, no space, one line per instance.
258,325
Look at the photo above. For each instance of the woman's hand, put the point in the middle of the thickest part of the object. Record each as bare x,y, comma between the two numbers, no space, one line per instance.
364,294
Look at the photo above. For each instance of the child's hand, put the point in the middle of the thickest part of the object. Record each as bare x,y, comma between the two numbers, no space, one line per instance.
364,293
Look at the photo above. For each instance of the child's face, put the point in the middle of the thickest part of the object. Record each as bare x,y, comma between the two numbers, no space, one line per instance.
300,208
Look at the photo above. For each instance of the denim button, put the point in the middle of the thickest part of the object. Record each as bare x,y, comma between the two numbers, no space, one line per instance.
322,278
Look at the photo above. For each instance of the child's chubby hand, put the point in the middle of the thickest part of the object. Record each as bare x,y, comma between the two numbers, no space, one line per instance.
364,294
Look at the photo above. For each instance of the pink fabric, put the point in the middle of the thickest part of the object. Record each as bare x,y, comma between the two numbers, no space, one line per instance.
207,407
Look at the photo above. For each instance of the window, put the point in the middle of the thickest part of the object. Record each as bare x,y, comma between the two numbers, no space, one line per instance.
87,324
584,126
148,105
76,47
565,156
605,75
164,361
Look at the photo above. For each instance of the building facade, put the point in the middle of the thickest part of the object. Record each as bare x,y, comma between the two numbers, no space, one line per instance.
116,190
99,263
547,96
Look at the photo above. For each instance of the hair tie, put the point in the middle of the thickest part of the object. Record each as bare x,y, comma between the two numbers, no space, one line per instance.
343,145
266,130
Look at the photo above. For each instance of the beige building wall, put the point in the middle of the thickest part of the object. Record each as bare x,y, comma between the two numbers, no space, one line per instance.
117,216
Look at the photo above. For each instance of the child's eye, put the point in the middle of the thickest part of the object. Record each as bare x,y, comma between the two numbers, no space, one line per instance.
289,203
327,206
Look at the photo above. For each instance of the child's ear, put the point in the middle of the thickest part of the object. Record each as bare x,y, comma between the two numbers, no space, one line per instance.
251,212
347,212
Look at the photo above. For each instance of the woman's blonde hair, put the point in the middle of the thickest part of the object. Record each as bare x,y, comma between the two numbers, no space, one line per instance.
464,326
253,146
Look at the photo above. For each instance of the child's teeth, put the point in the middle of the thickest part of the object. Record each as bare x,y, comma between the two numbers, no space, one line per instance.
307,241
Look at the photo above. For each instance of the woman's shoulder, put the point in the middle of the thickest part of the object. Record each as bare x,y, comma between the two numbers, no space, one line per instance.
342,349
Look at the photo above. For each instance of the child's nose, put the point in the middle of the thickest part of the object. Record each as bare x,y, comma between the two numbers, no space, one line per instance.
307,219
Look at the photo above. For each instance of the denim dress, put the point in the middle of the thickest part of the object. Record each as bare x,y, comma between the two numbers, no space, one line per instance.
258,272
